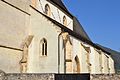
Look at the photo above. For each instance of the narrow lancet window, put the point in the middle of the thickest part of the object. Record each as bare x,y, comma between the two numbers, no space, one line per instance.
64,21
43,47
47,10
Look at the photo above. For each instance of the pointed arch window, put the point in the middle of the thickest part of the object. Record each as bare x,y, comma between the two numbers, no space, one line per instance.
64,21
43,47
76,68
47,10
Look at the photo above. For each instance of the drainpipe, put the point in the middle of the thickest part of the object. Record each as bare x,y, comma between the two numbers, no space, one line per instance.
64,59
59,52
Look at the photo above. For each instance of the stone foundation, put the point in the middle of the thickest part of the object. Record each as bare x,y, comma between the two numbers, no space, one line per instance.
17,76
104,77
47,76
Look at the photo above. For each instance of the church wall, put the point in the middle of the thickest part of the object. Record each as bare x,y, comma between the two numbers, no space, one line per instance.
100,63
97,62
56,13
9,60
92,60
14,22
21,4
68,53
104,63
62,59
76,47
80,51
84,65
101,66
77,52
42,28
111,65
82,55
13,25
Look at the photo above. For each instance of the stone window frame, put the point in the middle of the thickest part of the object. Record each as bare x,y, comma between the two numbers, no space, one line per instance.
47,10
43,47
64,21
76,64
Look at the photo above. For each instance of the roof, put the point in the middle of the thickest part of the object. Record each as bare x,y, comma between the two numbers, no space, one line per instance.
115,56
60,4
108,49
77,27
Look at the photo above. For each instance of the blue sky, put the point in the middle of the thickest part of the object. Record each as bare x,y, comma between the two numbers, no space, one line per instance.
100,19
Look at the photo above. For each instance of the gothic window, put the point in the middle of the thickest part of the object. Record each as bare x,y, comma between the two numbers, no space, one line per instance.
43,47
47,10
76,65
64,21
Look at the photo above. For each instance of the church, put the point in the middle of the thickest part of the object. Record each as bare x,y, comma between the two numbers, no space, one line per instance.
42,36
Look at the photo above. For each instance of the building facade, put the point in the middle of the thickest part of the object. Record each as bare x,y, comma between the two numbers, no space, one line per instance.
41,36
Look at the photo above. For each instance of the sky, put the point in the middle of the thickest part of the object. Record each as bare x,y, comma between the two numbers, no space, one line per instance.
100,19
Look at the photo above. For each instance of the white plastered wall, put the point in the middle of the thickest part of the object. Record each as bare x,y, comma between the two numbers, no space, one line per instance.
13,25
41,28
92,60
9,60
82,55
13,30
84,65
76,50
97,62
111,65
104,63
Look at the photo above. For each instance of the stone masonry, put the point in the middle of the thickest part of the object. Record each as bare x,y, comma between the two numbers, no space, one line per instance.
17,76
49,76
104,77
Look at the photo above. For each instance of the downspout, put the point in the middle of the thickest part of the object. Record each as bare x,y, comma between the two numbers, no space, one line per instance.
59,52
64,59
